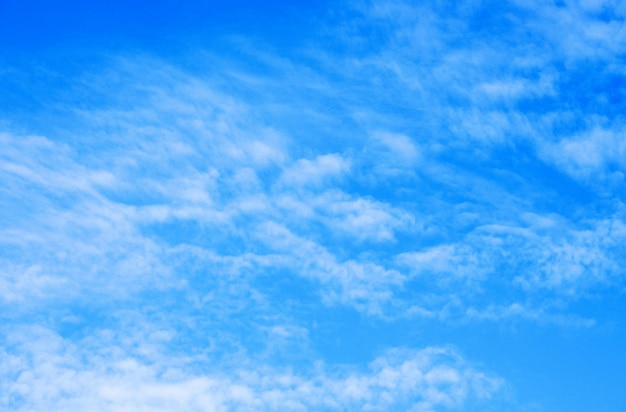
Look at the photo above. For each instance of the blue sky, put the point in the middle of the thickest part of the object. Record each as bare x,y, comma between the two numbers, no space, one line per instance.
377,206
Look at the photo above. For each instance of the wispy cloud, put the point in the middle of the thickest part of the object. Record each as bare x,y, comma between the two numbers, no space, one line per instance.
171,232
199,158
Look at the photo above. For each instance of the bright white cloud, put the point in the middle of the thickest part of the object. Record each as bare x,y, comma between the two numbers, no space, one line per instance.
41,370
315,172
596,154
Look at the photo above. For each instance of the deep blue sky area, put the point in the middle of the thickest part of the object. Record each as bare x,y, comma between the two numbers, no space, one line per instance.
376,206
161,26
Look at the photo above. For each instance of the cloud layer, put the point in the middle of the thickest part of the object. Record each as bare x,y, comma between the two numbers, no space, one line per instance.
176,231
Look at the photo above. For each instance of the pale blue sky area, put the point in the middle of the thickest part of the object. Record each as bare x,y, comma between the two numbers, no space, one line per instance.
324,206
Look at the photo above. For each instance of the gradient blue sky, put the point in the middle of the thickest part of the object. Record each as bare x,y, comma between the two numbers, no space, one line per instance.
333,206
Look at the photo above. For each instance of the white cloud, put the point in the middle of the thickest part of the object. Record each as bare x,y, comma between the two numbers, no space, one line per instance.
401,147
364,285
354,218
597,153
190,151
527,311
315,172
223,177
580,29
448,264
543,259
363,218
580,259
42,371
238,205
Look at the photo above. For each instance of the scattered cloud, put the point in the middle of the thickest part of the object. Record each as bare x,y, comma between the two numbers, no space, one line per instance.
314,172
438,163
